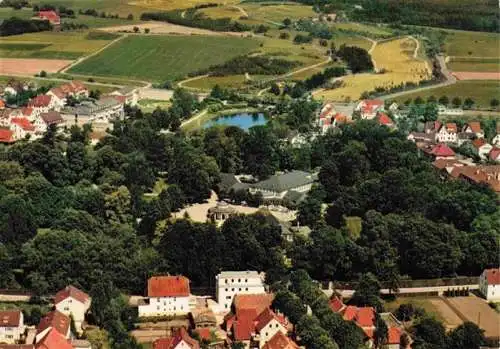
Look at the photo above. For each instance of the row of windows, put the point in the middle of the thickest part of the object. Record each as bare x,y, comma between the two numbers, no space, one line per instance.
239,289
232,280
165,309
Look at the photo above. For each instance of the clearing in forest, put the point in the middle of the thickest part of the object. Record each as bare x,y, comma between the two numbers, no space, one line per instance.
159,58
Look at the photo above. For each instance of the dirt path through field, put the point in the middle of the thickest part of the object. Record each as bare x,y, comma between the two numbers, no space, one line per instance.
241,9
370,51
181,83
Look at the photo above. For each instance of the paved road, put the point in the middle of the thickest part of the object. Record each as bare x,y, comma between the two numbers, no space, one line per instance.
409,290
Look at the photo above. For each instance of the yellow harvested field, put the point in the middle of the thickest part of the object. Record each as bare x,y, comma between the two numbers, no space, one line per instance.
175,4
399,64
277,13
223,12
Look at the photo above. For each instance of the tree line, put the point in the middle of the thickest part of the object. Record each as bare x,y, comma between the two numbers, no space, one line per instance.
16,26
257,65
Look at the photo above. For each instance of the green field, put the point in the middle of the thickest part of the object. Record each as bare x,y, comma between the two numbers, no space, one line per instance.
472,44
98,22
487,64
54,45
480,91
363,28
8,12
160,58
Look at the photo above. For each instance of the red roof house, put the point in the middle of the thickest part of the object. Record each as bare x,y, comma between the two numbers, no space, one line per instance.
280,341
168,286
40,101
24,124
336,304
493,276
50,16
10,318
53,340
441,150
494,154
385,120
180,339
258,302
394,336
71,292
55,320
6,136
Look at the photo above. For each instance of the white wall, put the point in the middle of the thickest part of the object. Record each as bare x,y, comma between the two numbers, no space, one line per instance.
269,331
228,287
73,307
165,306
10,335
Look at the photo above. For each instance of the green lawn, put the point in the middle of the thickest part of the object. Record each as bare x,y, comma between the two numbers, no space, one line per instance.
98,22
8,12
472,44
480,91
487,64
160,58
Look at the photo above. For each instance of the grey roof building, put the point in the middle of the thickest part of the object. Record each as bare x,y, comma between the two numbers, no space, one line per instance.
279,185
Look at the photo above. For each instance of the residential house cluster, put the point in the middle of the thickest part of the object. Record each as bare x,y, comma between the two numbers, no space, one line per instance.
365,318
54,329
330,118
53,108
243,309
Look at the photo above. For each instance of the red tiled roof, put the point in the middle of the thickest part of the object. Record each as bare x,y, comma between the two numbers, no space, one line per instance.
23,123
494,153
27,111
336,304
73,292
258,302
172,342
244,325
451,127
340,118
369,332
10,318
280,341
56,320
2,104
267,316
72,87
493,276
51,117
168,286
51,16
384,119
53,340
370,105
475,126
40,101
442,150
365,317
6,136
479,142
393,335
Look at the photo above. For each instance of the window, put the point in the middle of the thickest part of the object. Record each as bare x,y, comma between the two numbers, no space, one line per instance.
232,280
239,289
158,308
225,306
246,288
66,308
226,281
227,289
228,297
232,289
246,280
239,280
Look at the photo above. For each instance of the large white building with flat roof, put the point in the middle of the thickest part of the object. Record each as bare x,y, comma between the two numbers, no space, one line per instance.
231,283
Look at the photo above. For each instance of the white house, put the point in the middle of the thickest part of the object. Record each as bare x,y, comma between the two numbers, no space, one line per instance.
180,339
55,320
128,94
443,110
496,140
167,296
75,89
231,283
11,326
42,104
368,108
267,325
489,284
447,133
482,148
474,127
104,110
43,120
73,302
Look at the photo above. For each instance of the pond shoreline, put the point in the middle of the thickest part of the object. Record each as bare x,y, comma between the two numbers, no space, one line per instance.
208,117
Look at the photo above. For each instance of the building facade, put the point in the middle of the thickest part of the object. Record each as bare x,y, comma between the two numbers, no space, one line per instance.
231,283
167,296
73,302
489,284
11,326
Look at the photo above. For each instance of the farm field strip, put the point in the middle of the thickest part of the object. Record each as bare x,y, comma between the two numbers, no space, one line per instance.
396,58
18,66
160,58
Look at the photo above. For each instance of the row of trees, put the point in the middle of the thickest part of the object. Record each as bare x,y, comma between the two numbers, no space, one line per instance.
16,26
257,65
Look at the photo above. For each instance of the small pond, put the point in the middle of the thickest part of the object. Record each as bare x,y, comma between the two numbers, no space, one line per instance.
243,120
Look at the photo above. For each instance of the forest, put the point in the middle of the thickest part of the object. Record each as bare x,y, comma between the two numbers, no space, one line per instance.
255,65
16,26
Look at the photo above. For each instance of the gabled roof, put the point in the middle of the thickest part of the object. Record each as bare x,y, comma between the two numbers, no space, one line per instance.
371,105
27,111
244,325
53,340
442,150
6,136
258,302
23,123
493,276
450,127
336,304
10,318
172,342
40,101
282,182
280,341
266,317
168,286
479,142
394,335
475,126
73,292
363,316
384,119
51,117
55,319
494,153
51,16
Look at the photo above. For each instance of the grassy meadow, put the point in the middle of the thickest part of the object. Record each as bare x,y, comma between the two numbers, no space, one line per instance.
160,58
485,64
472,44
8,12
396,58
53,45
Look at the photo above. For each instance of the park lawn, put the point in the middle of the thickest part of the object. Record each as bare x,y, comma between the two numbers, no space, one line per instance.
8,12
487,64
160,58
482,92
396,57
273,13
363,28
472,44
54,45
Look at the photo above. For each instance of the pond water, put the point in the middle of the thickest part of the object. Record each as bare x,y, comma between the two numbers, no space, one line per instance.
243,120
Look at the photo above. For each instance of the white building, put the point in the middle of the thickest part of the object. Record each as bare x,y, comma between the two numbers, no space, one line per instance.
369,108
167,296
129,95
73,302
104,110
268,324
231,283
11,326
447,133
277,186
489,284
55,320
